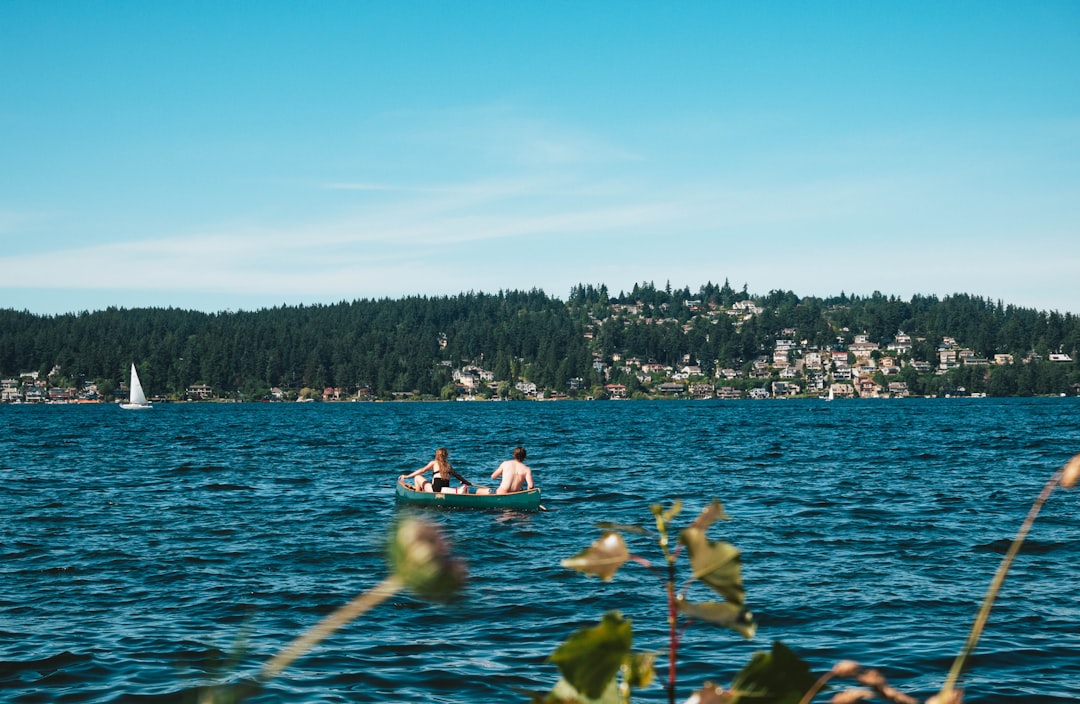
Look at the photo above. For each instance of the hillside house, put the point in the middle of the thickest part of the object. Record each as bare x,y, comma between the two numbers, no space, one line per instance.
901,344
947,358
747,308
863,350
867,388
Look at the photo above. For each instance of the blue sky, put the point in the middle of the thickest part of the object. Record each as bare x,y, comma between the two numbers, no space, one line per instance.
225,156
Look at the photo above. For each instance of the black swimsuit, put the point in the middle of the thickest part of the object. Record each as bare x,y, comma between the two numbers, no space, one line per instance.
437,483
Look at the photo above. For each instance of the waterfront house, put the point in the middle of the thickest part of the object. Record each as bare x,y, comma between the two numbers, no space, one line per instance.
898,389
701,391
781,389
200,392
59,395
11,391
615,390
842,390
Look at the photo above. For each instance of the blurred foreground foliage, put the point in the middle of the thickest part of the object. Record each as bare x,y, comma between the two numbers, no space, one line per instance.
598,665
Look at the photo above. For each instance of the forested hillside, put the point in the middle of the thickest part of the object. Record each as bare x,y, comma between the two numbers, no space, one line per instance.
414,344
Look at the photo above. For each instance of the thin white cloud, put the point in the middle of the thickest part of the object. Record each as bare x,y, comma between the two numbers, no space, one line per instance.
431,228
552,207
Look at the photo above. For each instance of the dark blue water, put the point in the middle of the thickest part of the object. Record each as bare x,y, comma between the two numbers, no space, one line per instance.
143,554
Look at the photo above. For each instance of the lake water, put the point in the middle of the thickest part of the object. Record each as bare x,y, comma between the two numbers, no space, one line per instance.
141,550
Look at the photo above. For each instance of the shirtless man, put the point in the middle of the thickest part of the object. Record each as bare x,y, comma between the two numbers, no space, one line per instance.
514,473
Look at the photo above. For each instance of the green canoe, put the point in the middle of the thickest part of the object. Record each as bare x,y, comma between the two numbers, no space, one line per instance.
518,501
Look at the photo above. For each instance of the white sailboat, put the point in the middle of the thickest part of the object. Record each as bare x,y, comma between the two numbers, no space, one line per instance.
137,398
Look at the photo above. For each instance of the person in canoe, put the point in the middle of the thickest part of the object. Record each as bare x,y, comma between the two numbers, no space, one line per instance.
516,475
441,471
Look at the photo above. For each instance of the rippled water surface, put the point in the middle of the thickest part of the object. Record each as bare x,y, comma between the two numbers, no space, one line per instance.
147,553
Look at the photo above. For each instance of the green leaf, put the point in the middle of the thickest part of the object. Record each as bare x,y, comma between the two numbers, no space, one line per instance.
640,669
709,515
590,658
724,614
663,517
779,677
564,693
603,558
637,669
717,564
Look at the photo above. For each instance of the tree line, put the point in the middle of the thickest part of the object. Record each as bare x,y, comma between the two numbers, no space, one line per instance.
413,344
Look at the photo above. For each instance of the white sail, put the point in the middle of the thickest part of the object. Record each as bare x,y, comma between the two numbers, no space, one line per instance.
137,399
137,395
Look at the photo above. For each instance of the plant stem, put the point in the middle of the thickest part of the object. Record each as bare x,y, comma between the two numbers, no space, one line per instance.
995,587
673,634
812,692
305,641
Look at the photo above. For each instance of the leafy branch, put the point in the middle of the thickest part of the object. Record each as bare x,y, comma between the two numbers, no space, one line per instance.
713,563
778,677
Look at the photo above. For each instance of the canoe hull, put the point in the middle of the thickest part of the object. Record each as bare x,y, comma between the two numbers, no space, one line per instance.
519,501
